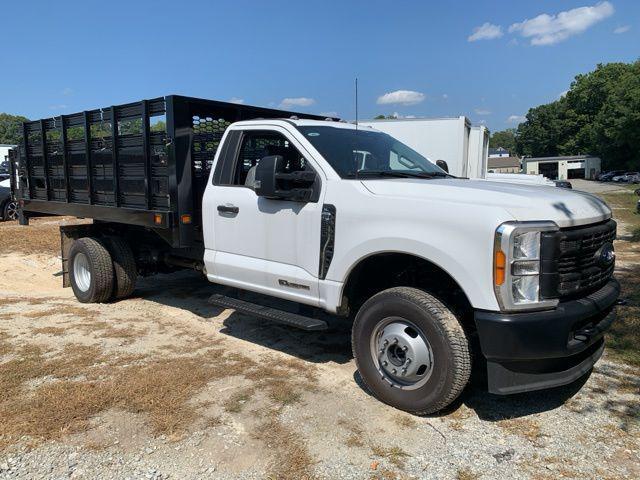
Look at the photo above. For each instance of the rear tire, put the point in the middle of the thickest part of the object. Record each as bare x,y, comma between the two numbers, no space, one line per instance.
90,271
406,323
124,267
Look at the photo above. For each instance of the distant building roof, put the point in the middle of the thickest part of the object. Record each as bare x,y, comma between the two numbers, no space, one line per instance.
558,159
7,145
503,162
496,151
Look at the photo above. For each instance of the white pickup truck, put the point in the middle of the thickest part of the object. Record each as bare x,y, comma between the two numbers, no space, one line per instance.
436,273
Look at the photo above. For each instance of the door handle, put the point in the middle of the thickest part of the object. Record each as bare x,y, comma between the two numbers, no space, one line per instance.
228,209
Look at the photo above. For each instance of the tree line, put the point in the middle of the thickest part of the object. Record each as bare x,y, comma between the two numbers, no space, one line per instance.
599,115
11,129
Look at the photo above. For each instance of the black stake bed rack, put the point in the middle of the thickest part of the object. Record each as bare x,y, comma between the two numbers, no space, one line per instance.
144,163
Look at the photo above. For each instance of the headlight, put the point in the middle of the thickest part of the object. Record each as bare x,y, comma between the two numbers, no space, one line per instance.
516,265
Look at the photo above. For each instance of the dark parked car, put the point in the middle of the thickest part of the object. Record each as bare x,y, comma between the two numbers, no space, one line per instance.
608,176
563,183
8,208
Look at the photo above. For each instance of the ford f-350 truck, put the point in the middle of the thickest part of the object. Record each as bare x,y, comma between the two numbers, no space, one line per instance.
435,272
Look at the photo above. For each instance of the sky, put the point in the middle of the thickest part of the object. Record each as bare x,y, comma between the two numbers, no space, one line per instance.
488,60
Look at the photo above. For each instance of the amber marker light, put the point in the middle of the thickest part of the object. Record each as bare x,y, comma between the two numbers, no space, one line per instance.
499,267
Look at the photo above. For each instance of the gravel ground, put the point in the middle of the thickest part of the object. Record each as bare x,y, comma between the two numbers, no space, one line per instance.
324,425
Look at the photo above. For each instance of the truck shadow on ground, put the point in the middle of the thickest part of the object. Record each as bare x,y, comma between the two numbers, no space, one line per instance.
190,291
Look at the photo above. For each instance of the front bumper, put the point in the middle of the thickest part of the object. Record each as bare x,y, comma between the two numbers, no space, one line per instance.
536,350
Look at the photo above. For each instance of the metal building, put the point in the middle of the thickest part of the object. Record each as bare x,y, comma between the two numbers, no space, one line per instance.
564,168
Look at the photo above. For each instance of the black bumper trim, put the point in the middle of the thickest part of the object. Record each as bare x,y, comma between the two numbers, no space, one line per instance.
503,381
545,349
566,330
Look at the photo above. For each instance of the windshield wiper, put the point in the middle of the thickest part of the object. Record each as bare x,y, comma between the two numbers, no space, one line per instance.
397,174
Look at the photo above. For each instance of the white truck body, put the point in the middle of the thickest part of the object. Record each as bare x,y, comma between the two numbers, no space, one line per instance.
355,222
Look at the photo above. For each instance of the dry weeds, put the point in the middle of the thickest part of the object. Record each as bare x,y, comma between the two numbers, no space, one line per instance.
237,401
523,427
466,474
395,455
292,460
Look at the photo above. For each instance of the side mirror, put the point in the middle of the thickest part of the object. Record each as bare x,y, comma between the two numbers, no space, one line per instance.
443,165
272,182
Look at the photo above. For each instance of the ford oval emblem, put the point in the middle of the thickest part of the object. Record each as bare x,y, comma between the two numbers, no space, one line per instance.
605,255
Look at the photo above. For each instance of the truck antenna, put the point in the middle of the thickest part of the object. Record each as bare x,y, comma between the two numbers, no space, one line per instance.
355,155
356,103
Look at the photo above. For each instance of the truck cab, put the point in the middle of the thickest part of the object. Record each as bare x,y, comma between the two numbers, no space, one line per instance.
436,273
524,270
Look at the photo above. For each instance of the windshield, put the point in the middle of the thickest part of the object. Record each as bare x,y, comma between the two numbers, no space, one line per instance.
368,153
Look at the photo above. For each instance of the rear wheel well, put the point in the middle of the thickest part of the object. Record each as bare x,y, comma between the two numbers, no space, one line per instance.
387,270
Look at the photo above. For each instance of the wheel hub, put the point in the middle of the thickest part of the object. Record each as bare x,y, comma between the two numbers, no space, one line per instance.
404,355
82,272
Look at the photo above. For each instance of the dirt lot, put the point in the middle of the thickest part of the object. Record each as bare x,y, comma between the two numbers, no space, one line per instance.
164,385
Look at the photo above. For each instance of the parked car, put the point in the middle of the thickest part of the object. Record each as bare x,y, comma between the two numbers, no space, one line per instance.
625,177
8,207
607,176
635,178
563,183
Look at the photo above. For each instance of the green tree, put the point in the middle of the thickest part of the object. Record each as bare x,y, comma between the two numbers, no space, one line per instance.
11,128
599,115
504,139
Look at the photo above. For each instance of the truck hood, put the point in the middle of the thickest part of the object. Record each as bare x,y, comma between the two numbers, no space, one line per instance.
523,202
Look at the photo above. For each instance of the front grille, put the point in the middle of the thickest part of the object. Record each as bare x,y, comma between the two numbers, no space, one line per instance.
579,270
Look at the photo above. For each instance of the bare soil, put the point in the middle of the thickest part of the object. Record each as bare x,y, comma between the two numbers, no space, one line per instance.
164,385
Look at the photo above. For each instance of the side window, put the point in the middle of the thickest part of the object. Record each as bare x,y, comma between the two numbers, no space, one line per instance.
258,144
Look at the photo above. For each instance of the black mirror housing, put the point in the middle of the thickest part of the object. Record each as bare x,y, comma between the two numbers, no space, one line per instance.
265,183
443,165
272,182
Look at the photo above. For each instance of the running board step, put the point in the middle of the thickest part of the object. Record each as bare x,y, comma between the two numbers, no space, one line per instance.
280,316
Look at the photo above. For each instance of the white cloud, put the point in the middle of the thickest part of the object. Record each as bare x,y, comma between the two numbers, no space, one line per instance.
445,96
237,100
67,91
401,97
622,29
548,29
297,102
486,31
516,118
482,111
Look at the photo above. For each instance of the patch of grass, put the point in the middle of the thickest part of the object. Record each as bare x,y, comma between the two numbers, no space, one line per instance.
291,460
405,421
466,474
624,336
395,455
522,427
42,236
53,331
237,401
353,441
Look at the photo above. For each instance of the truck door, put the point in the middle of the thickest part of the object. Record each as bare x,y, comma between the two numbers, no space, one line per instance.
265,245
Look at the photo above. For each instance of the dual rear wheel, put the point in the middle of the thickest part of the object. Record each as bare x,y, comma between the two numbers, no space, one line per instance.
101,269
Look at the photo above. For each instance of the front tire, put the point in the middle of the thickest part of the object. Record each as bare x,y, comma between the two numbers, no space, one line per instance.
410,350
90,271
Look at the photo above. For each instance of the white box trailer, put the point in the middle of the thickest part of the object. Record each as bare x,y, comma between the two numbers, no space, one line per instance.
454,140
435,138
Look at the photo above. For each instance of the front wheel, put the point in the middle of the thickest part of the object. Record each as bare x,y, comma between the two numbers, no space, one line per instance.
411,351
